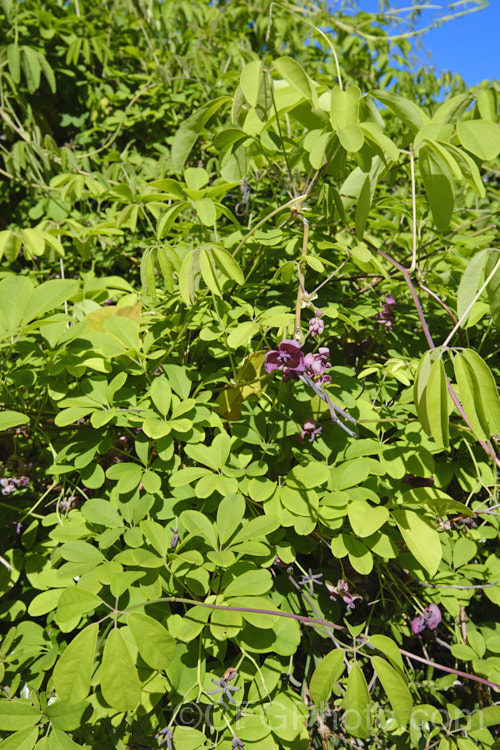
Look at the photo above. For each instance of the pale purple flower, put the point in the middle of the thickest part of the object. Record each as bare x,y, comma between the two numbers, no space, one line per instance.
310,580
224,687
342,590
430,618
165,735
309,430
386,316
237,744
316,364
288,357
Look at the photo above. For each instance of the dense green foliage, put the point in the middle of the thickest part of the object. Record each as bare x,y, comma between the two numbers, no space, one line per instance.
198,550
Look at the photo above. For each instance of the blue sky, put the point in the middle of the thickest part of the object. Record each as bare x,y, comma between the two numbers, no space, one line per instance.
469,46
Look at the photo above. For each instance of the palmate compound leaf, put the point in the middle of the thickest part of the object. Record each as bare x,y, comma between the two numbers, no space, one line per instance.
156,645
119,679
395,688
326,675
73,671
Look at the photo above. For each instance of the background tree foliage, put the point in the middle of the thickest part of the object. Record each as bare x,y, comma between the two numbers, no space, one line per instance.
197,550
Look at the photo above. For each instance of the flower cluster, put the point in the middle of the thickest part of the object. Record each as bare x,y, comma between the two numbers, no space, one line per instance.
289,358
342,590
316,325
11,484
430,618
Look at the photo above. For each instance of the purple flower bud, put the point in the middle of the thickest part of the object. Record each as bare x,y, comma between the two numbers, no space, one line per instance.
316,326
237,744
175,538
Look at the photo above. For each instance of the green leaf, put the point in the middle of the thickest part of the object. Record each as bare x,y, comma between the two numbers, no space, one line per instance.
208,272
188,133
10,419
357,716
437,404
395,688
487,102
326,674
15,294
488,391
227,264
480,137
251,583
49,295
408,112
22,740
389,649
469,283
120,684
257,527
230,514
470,396
250,80
421,538
493,287
438,187
161,393
363,208
365,519
59,740
17,714
75,602
155,644
295,76
73,671
205,208
66,716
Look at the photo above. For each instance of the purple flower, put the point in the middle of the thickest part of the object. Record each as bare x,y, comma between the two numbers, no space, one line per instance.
386,316
224,687
430,618
288,357
316,326
310,580
237,744
342,590
316,364
309,430
165,735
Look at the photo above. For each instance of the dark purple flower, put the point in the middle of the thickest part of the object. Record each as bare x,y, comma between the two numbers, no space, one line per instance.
430,618
309,430
165,735
316,326
310,580
350,600
237,744
224,687
288,357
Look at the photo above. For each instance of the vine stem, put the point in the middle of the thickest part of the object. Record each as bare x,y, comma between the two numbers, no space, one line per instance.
305,620
302,278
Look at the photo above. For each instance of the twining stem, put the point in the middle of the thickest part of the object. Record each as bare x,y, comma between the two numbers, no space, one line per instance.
302,277
414,211
305,620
